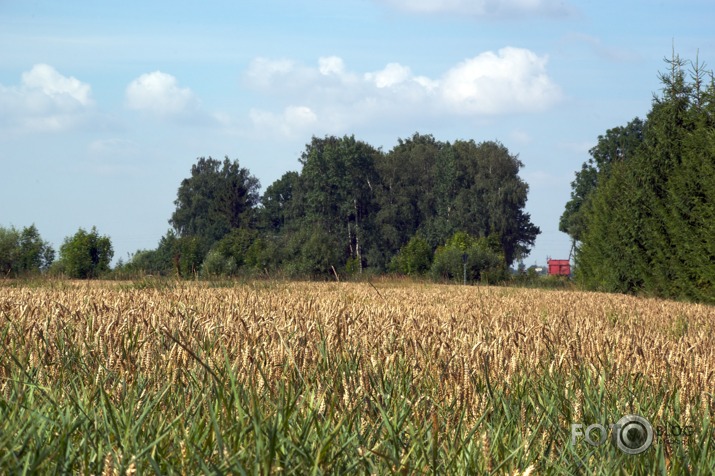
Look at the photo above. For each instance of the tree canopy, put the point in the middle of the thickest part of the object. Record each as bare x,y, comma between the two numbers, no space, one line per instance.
217,197
86,254
618,144
646,216
24,252
351,207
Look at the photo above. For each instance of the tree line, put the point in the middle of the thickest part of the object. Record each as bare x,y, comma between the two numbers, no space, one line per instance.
641,213
425,206
86,254
642,208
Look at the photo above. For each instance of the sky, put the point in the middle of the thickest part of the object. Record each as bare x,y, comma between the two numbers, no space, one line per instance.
105,106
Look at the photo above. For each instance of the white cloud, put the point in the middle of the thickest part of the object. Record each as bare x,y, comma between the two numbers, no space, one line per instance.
513,80
427,83
287,77
293,120
159,93
45,100
479,8
45,78
264,73
331,65
394,73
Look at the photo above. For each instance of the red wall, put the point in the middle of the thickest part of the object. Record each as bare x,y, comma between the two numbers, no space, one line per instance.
560,267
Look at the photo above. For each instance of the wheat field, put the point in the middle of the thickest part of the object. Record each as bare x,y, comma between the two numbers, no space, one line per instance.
295,377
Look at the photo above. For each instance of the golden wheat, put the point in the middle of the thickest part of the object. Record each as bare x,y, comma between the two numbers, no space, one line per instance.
458,337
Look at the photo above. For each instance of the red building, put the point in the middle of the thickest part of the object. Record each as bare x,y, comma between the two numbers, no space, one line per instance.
559,267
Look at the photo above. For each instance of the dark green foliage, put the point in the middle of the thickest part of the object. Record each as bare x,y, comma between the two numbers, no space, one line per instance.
85,255
369,205
35,253
691,196
573,219
599,262
337,185
234,251
617,145
218,197
483,260
438,188
413,258
147,262
650,219
350,208
9,250
24,252
263,255
407,192
190,252
313,251
491,197
236,244
216,264
162,261
280,205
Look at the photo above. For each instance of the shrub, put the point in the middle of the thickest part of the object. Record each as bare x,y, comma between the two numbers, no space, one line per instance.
86,255
217,264
413,258
482,262
24,252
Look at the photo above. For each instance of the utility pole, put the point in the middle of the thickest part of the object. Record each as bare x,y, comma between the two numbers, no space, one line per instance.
464,265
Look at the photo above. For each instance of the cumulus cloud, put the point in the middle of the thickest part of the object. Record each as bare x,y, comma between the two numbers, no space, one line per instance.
160,94
45,100
291,121
283,77
282,74
331,65
481,8
394,73
512,80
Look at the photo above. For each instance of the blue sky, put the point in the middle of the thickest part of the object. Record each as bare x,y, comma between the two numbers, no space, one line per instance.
104,106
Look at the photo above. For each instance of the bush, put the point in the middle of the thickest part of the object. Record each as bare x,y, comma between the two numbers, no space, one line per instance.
312,252
236,245
148,262
483,263
189,253
413,258
163,261
9,250
263,254
24,252
85,255
216,264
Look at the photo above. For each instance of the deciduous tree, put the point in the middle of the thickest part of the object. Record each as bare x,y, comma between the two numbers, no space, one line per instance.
86,254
